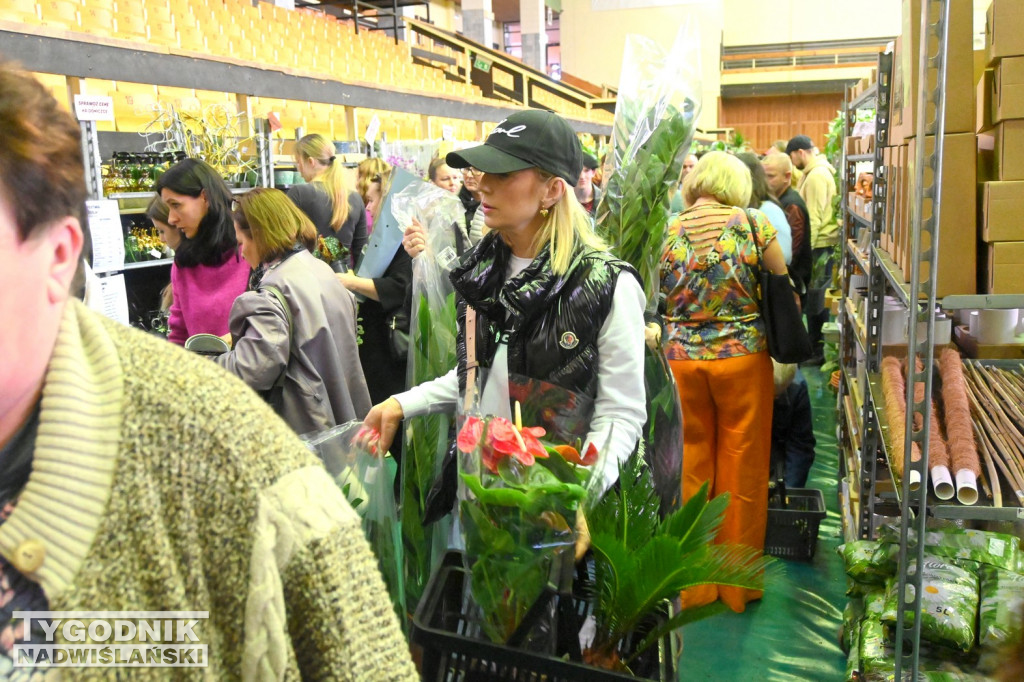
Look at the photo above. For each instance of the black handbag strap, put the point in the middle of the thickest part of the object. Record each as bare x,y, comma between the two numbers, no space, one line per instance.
756,273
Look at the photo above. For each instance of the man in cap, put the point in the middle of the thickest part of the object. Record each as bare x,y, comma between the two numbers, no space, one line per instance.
817,188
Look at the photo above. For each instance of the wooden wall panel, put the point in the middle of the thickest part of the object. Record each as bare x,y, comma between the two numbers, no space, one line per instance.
763,120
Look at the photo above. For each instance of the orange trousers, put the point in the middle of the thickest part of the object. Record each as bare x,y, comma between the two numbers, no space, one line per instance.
727,429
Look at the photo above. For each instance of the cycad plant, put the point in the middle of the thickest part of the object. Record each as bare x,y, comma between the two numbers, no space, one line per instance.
642,560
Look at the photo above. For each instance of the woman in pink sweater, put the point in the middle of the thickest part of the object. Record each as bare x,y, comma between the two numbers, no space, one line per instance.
208,272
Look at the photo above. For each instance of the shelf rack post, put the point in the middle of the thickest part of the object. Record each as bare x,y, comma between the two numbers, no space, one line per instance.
266,163
91,160
924,224
876,299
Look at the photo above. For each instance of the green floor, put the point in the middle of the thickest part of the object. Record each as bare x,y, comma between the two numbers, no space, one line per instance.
791,634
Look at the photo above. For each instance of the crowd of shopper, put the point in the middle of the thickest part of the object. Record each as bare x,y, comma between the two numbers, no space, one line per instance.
539,298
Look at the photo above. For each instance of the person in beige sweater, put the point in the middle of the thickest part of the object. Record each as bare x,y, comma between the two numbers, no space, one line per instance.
817,188
134,476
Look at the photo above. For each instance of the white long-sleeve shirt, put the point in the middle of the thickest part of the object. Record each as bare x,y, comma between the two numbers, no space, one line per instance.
619,408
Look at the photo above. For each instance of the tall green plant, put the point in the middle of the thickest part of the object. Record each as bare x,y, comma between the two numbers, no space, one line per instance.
642,560
634,209
426,441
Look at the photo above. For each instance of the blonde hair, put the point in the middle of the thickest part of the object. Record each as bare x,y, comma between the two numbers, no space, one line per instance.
321,150
567,228
719,175
367,171
273,222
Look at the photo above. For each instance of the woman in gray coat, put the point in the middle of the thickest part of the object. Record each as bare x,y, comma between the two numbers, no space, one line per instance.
294,331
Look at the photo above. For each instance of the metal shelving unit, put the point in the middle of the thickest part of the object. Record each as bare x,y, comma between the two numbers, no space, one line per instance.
919,296
856,335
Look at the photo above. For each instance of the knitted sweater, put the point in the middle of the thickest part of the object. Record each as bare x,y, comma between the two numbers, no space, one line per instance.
160,482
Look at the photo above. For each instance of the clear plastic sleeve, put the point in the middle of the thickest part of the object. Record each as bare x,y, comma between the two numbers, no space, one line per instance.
367,483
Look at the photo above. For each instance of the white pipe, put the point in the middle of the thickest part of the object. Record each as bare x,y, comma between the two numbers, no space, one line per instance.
966,487
915,480
942,482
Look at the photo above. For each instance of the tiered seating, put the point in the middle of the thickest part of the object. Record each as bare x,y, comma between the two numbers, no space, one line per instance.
304,40
23,11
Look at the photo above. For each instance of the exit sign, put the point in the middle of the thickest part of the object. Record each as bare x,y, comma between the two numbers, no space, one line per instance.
482,63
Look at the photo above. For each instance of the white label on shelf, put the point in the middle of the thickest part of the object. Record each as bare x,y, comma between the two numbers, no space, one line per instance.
157,254
447,133
372,129
114,298
94,108
107,235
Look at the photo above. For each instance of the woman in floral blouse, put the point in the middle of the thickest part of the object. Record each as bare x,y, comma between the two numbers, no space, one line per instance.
716,347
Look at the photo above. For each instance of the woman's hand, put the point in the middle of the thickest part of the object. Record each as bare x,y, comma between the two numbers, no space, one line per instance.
348,279
415,239
380,427
652,334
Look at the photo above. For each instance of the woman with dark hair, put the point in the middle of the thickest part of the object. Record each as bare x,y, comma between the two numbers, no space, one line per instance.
294,332
208,273
761,198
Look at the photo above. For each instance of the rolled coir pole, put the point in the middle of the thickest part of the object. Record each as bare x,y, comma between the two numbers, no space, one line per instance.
961,448
895,396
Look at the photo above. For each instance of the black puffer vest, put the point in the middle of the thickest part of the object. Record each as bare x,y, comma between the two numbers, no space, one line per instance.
553,321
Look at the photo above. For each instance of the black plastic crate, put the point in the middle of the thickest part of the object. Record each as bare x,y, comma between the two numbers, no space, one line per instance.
792,532
454,649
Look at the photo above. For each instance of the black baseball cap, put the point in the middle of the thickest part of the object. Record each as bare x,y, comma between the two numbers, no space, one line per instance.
799,142
526,139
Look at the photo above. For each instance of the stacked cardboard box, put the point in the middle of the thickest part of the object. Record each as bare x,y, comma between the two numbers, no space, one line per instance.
957,257
1000,125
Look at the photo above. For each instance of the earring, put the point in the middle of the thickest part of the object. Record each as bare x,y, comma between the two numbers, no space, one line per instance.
544,212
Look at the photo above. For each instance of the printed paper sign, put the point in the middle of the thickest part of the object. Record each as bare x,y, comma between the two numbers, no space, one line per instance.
372,130
107,235
94,108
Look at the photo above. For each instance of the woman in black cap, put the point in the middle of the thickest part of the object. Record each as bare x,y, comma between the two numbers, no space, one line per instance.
541,302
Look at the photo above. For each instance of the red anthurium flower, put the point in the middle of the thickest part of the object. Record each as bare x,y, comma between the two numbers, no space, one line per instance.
469,436
590,456
501,435
531,436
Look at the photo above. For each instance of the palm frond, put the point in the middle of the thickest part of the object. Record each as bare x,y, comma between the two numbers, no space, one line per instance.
680,619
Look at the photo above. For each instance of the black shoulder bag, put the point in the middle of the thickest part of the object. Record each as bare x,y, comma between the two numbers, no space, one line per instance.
788,341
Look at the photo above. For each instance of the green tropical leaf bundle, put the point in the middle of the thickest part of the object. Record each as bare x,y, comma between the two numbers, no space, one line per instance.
642,560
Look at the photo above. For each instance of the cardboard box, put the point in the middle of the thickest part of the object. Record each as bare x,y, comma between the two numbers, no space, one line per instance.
1002,212
960,81
983,102
1009,150
1008,89
896,93
957,257
1005,267
1004,36
973,349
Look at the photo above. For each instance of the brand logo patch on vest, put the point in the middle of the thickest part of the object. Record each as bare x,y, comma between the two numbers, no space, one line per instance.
569,340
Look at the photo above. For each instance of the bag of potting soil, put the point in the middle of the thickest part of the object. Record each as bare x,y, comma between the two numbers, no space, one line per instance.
1002,599
853,652
859,557
986,547
852,613
874,603
949,602
875,657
